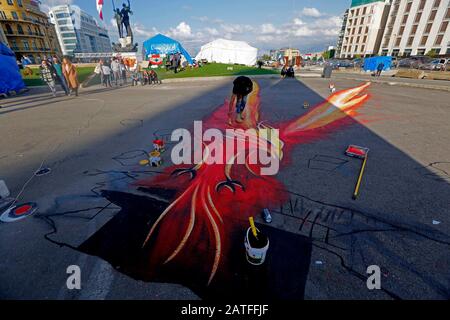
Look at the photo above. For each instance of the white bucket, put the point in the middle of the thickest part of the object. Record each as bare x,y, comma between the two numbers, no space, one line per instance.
255,256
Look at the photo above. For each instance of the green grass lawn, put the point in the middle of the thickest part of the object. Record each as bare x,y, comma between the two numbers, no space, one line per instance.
209,70
212,70
35,79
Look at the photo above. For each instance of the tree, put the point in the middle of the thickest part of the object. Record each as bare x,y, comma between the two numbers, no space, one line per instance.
266,57
432,53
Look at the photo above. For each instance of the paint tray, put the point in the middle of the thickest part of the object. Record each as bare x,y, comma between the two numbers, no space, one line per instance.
357,151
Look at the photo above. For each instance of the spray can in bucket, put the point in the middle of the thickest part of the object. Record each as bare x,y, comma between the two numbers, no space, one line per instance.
256,245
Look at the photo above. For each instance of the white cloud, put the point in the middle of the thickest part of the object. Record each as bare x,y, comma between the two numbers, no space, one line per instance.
268,28
182,31
298,22
311,12
212,31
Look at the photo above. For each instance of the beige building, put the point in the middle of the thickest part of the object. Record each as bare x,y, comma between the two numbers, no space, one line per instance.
416,27
27,29
364,28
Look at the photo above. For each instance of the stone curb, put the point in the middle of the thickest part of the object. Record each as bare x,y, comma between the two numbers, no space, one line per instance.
401,84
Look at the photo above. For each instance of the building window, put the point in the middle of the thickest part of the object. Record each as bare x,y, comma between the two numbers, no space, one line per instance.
432,15
408,7
9,30
422,4
26,45
29,30
447,15
439,39
402,29
68,35
414,29
424,40
405,18
19,29
444,26
10,2
437,3
397,42
19,2
62,15
428,28
418,17
2,15
410,41
14,15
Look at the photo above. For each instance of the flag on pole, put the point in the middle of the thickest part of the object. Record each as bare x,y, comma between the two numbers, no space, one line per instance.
100,8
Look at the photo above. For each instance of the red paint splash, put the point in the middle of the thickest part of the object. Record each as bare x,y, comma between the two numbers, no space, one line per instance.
193,232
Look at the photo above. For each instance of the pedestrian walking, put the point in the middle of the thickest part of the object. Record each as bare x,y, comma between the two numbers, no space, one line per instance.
71,76
59,75
106,71
123,71
115,68
380,68
99,71
48,75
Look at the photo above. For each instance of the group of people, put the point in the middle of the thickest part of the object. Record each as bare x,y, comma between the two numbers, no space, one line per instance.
53,71
287,72
110,71
144,76
175,61
115,71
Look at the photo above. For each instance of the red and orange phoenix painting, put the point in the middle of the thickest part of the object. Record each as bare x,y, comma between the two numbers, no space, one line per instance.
197,233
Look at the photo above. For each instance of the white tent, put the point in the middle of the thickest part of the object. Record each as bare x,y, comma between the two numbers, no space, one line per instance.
227,51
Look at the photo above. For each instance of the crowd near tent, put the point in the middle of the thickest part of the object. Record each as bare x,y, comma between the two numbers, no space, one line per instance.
160,44
10,78
371,64
228,51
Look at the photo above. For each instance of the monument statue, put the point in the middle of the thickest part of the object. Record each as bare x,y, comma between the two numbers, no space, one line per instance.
119,21
122,17
125,12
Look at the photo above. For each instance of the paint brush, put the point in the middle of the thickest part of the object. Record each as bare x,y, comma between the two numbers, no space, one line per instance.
253,227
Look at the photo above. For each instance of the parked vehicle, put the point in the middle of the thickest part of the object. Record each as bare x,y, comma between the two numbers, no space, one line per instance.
414,62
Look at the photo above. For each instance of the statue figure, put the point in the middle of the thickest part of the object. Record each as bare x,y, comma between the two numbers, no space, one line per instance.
125,13
119,21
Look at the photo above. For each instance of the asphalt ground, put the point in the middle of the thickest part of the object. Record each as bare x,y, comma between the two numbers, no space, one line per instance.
399,222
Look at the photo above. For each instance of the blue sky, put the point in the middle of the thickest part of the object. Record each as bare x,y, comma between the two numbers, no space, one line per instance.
310,25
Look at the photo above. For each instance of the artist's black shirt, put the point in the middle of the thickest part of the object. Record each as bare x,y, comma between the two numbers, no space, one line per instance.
242,85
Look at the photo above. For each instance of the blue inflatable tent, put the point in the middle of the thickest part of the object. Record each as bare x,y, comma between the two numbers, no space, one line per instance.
160,44
10,78
371,64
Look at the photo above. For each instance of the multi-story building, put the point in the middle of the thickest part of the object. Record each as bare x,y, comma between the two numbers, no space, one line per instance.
364,28
341,34
79,32
27,29
417,27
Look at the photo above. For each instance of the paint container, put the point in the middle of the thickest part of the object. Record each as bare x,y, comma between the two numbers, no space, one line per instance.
256,248
155,158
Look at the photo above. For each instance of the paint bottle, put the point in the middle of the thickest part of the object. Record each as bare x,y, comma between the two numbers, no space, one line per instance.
256,245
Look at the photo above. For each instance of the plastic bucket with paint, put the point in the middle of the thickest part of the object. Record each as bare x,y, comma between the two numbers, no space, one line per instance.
256,248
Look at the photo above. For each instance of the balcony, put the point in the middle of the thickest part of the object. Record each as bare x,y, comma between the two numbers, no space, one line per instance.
27,34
